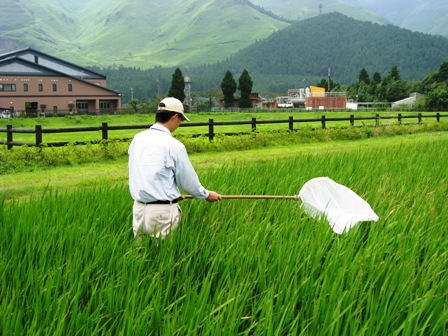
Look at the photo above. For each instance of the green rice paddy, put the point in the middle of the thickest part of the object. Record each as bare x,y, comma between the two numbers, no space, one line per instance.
70,265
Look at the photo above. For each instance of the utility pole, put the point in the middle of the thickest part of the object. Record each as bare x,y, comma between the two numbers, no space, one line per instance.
132,93
329,78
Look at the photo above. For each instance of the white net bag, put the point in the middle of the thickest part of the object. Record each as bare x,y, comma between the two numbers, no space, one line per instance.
341,206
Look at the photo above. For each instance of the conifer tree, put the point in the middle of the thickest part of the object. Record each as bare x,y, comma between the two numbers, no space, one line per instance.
364,76
245,86
228,87
177,88
394,74
376,79
374,83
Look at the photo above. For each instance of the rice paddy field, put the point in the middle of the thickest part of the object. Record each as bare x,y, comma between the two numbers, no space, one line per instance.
70,265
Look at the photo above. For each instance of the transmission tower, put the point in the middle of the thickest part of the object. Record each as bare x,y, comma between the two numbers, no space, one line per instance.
320,9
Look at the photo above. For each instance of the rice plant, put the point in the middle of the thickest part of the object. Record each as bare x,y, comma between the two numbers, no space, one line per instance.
70,265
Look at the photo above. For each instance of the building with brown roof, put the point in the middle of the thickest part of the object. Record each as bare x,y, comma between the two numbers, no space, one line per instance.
34,82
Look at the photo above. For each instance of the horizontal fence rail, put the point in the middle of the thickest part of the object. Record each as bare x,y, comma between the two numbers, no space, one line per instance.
211,124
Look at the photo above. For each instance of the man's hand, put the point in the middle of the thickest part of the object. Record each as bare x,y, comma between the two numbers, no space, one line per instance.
213,197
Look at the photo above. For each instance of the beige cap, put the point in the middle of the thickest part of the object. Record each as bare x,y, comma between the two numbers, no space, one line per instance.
173,105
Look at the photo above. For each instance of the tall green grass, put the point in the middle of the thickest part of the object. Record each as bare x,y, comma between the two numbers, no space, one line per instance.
19,159
249,267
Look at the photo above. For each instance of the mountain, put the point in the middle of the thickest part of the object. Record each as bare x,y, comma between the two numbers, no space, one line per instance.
304,9
426,16
347,45
148,33
282,43
300,55
142,33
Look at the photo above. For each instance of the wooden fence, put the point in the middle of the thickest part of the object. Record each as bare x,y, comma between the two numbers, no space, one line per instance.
211,124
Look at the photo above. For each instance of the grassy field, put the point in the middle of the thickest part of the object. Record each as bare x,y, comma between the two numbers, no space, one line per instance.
27,171
249,267
144,119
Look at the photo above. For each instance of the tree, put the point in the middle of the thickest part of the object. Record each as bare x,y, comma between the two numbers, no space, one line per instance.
374,84
213,94
133,104
376,79
177,86
363,92
438,97
396,90
443,72
426,85
228,87
324,84
394,74
364,76
245,86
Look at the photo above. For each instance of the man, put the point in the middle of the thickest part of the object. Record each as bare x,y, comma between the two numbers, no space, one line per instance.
158,166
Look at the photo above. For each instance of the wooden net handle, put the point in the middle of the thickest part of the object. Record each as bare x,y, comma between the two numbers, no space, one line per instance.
295,197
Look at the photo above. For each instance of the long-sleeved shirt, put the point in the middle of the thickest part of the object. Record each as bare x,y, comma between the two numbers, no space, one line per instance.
158,165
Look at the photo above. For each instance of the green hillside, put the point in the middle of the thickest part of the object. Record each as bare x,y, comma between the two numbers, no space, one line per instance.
142,33
304,51
206,38
300,55
147,33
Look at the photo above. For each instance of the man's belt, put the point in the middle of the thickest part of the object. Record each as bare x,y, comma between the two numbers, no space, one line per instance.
160,202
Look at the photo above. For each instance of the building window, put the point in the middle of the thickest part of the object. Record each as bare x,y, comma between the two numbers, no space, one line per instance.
104,106
7,87
55,87
82,107
70,87
41,87
25,87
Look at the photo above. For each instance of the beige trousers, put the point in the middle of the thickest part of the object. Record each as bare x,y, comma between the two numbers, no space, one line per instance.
157,220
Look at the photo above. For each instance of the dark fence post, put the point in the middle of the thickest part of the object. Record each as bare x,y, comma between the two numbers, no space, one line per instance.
352,119
104,131
211,129
438,117
399,118
291,123
420,118
377,120
254,124
323,122
38,130
9,136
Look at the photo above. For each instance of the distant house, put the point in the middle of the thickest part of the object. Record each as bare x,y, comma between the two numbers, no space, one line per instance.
255,99
33,82
407,102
